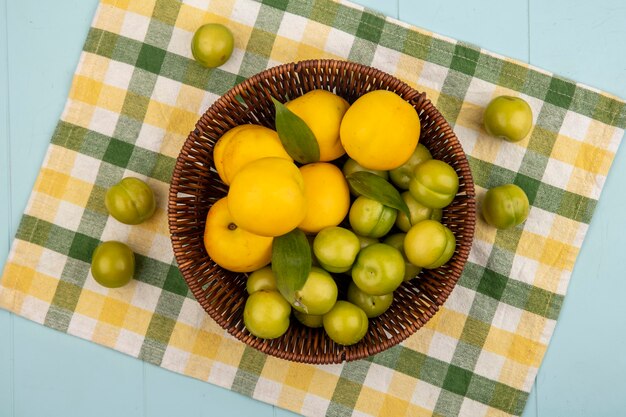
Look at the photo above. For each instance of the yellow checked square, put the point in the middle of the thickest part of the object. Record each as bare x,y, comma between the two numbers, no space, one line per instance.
206,344
558,254
45,207
93,66
137,320
90,304
370,401
565,149
113,312
111,98
299,376
42,286
184,337
105,334
143,7
109,18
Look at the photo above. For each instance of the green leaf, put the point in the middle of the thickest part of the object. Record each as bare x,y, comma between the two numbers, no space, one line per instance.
291,263
296,136
376,188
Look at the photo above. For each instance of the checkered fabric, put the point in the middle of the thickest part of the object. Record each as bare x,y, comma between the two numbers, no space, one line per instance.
137,93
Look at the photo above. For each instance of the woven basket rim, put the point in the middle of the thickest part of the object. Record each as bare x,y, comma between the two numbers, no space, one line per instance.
180,233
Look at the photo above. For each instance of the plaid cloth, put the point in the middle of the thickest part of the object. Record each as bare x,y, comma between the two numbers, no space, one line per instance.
137,93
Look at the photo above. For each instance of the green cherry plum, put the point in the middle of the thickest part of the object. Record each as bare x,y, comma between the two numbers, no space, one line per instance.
505,206
130,201
346,324
372,305
261,279
434,184
418,213
309,320
112,264
370,218
318,295
335,248
212,45
266,314
507,117
402,175
397,241
429,244
379,269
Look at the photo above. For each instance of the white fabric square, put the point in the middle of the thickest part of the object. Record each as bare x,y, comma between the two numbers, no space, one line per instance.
507,317
548,331
146,296
315,406
51,263
339,43
480,251
535,105
471,408
489,365
564,278
432,76
91,284
175,359
292,27
81,326
597,188
557,173
575,125
460,300
357,413
245,12
135,26
510,156
334,369
68,215
267,390
385,58
34,309
616,138
378,377
166,90
539,221
467,137
530,378
524,269
119,74
150,137
580,235
352,5
129,342
425,395
480,92
222,375
233,65
115,230
191,313
207,101
161,249
103,121
442,347
199,4
85,168
180,42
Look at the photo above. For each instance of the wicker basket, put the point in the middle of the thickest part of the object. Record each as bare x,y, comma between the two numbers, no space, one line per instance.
196,186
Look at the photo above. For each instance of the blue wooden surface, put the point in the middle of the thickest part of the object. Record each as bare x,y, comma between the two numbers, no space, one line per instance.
43,372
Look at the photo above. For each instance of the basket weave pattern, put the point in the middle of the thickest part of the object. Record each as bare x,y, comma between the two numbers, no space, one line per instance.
196,186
